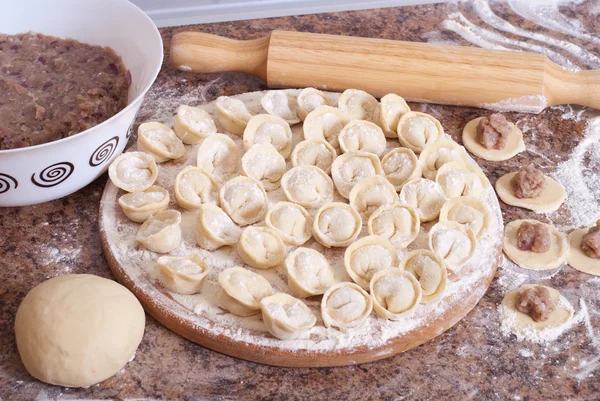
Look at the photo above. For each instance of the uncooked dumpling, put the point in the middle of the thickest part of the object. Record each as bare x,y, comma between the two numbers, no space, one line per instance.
429,270
400,224
400,166
281,104
395,292
214,228
577,258
309,272
307,186
263,163
291,221
336,224
456,179
550,198
183,275
161,233
435,155
514,143
425,196
452,242
468,211
348,169
552,258
367,256
285,316
357,104
133,171
243,290
194,187
159,141
345,305
309,99
370,193
522,324
314,152
244,199
140,205
218,155
261,247
265,128
417,130
193,124
363,136
325,123
391,108
232,114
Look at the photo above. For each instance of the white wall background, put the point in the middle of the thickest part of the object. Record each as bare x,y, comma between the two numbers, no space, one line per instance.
183,12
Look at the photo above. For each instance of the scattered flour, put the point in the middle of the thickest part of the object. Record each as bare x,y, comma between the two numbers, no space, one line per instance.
576,174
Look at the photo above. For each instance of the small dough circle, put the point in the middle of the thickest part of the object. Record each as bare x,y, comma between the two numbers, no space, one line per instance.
577,259
522,325
552,197
551,259
77,330
514,143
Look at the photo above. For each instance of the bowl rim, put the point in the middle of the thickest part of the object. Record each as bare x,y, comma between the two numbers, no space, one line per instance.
130,104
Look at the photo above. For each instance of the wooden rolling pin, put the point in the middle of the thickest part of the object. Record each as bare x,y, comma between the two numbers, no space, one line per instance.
469,76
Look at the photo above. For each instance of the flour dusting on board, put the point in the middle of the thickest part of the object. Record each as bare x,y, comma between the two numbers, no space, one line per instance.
203,309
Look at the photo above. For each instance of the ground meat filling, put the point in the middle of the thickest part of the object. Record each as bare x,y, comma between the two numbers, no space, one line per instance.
535,302
533,237
590,244
51,88
528,183
493,131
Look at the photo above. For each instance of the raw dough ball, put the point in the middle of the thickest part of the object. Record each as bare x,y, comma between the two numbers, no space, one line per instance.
514,143
524,327
77,330
552,196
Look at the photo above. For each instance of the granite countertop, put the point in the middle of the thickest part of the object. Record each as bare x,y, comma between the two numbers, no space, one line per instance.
470,361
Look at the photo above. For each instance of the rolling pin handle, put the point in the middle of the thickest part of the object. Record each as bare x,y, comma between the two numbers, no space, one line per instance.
565,87
203,52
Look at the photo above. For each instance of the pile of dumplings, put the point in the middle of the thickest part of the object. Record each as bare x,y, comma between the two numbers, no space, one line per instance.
341,179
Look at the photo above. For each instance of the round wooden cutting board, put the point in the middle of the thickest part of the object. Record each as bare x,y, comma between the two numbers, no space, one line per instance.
200,319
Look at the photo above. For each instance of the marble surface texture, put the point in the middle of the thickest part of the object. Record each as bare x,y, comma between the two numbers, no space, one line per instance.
470,361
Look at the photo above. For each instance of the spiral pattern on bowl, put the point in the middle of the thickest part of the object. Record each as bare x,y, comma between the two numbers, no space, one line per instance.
104,152
7,183
53,175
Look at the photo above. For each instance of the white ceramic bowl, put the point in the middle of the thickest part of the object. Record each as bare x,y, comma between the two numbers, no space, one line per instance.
50,171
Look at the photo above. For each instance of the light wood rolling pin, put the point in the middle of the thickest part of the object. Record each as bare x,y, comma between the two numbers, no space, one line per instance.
493,79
